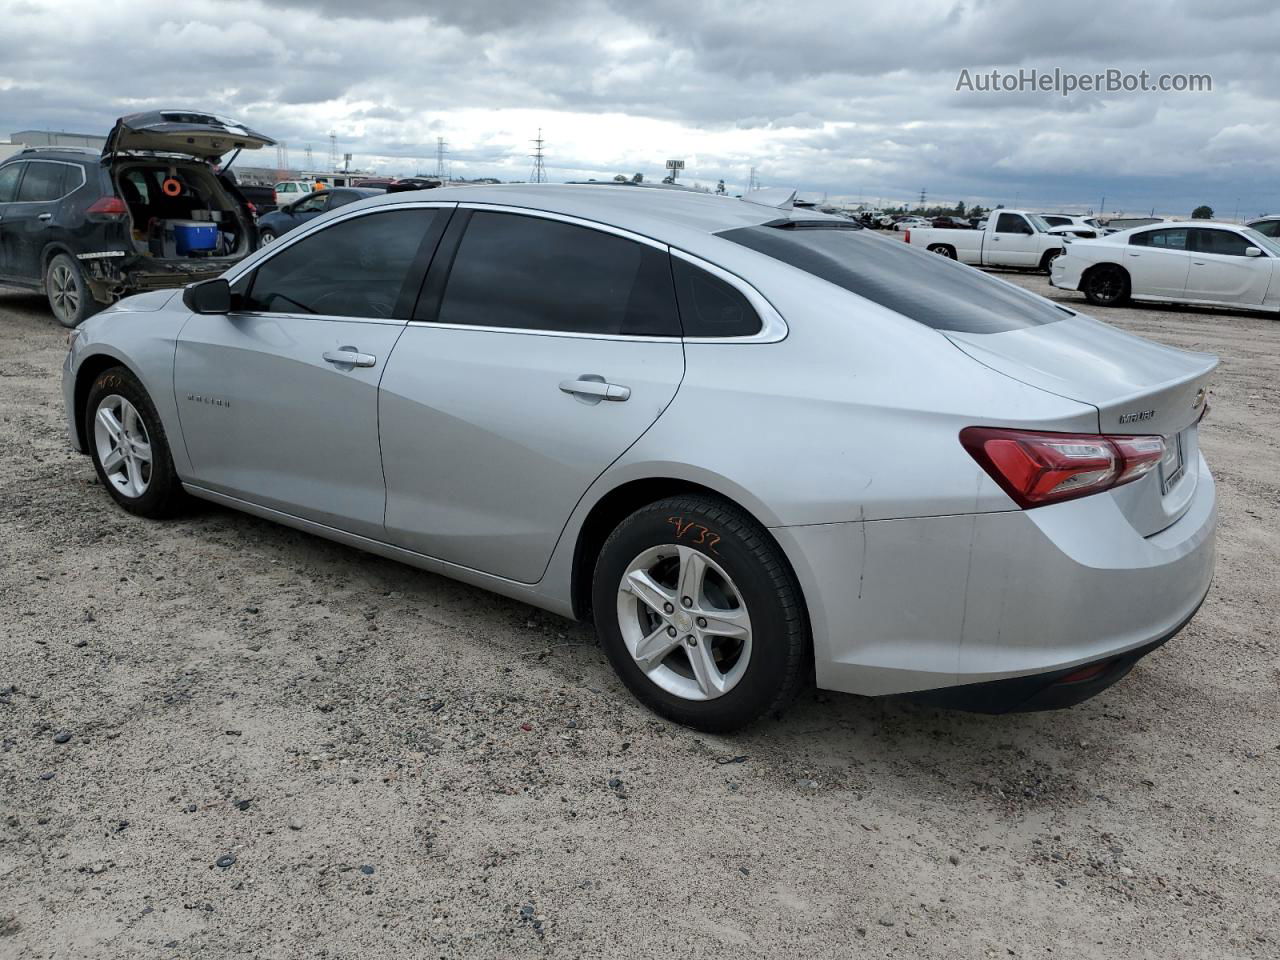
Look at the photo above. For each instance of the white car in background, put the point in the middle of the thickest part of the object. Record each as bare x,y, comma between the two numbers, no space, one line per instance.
288,191
1213,264
1086,228
912,223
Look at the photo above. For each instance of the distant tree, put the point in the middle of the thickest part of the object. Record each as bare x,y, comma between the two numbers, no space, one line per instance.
619,178
959,208
977,211
637,178
1202,212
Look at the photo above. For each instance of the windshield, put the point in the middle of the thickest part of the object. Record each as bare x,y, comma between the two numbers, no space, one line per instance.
1270,244
924,287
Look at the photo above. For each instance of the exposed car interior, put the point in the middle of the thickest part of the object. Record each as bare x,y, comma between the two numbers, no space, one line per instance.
180,210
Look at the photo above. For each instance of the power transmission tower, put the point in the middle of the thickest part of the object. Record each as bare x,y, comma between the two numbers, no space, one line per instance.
442,146
922,196
333,150
752,182
282,159
311,163
539,174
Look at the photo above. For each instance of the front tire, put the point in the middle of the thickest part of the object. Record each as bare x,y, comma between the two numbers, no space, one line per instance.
129,448
266,237
1106,285
700,615
68,291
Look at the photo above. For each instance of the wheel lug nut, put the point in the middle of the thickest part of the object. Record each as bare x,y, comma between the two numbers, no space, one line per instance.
702,622
671,631
692,641
687,602
668,608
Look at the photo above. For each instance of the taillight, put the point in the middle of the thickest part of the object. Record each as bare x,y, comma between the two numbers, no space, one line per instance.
111,206
907,237
252,209
1036,468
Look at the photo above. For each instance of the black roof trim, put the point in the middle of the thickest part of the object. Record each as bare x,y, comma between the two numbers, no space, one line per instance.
785,223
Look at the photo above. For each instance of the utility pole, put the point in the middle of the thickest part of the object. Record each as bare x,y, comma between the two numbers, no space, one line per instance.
442,147
1102,207
752,182
539,174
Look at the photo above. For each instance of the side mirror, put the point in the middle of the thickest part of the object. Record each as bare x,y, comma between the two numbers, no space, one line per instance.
208,296
1252,252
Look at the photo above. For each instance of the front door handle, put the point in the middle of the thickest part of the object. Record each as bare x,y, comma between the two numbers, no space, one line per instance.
45,216
593,389
350,357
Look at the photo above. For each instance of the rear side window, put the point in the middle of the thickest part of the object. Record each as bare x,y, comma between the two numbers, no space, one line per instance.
1268,228
531,273
709,307
1164,239
9,182
43,181
1222,242
924,287
356,268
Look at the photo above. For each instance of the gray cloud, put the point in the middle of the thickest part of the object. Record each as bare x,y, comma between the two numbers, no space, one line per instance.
853,99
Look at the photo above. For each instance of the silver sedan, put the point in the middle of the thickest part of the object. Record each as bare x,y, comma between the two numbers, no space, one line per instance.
759,446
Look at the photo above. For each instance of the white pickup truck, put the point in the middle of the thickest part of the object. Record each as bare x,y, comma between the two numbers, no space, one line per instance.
1012,238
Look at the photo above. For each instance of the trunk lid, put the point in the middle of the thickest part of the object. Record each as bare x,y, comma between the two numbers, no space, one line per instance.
1138,387
199,135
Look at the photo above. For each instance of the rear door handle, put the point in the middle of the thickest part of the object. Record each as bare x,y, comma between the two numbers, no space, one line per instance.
593,388
349,357
45,216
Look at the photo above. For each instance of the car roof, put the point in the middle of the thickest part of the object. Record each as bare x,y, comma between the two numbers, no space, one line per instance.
682,218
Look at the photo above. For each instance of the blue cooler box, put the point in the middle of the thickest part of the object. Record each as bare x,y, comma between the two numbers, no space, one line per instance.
194,236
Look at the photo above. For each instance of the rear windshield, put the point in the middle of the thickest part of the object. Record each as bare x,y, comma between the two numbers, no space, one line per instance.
925,287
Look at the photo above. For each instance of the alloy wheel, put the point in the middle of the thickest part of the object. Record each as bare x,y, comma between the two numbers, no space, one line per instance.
684,622
64,293
123,446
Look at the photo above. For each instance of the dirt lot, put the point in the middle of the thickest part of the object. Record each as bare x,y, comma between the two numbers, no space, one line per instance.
401,766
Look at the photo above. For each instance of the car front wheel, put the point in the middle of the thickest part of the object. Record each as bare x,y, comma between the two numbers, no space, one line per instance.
129,448
700,614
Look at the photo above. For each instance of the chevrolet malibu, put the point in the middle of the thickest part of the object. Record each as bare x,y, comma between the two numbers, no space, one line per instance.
758,446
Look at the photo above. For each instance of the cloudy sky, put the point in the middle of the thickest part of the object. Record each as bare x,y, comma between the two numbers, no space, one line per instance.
852,100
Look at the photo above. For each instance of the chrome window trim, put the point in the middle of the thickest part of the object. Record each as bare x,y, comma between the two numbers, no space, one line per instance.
64,163
326,317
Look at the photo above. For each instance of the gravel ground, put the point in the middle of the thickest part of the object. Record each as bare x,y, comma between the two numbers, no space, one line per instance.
280,747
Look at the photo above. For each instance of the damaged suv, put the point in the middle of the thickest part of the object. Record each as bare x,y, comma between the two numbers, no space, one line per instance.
152,211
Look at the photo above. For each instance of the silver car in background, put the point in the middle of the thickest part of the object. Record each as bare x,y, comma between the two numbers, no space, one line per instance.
756,445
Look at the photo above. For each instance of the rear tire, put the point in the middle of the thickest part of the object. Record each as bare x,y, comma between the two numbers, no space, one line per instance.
1105,285
68,291
129,448
942,250
700,614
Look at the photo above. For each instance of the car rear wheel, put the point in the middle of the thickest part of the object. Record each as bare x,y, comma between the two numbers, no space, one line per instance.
1106,285
129,448
942,250
68,291
700,614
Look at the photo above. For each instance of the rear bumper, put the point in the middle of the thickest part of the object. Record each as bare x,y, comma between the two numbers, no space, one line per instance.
1043,691
110,279
901,606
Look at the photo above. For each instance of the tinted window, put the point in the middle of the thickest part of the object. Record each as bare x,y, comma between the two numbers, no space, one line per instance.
1221,242
709,307
9,182
42,182
536,274
1268,228
356,268
1057,221
937,292
1012,223
1164,239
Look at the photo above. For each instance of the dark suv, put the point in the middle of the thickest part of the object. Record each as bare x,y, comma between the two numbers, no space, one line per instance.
150,211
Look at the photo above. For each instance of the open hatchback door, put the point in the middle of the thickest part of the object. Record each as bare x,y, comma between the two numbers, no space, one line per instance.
200,135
